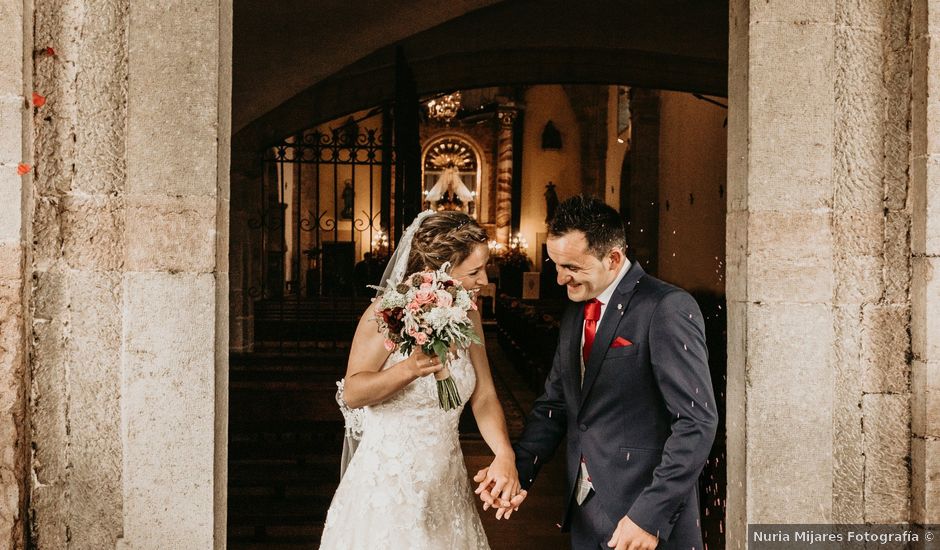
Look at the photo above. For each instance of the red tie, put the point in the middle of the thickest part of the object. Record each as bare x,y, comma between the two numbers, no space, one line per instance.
592,314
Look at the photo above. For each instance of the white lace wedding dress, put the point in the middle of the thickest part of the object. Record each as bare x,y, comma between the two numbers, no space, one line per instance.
406,486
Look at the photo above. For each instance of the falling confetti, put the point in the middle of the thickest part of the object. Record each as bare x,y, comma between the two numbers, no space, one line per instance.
22,169
38,100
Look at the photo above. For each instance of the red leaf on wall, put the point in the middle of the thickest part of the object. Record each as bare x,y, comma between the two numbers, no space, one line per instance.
38,100
22,169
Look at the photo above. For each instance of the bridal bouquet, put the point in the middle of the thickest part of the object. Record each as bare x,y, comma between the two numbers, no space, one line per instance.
428,310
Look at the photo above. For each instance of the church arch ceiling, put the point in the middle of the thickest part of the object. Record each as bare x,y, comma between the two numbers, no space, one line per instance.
672,44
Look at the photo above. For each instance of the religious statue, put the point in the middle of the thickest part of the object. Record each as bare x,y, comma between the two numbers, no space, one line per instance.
348,197
551,202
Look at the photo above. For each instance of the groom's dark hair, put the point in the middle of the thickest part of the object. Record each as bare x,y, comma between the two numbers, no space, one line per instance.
601,224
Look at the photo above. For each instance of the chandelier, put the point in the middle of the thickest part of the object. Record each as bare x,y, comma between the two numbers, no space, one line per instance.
444,108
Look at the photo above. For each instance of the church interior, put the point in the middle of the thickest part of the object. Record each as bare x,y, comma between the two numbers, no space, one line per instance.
466,115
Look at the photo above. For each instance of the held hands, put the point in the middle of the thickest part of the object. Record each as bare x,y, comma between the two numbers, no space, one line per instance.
629,536
499,487
419,364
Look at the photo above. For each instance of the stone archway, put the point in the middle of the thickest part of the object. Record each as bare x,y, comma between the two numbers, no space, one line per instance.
832,246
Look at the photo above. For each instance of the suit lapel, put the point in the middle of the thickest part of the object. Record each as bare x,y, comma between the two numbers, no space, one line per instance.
613,315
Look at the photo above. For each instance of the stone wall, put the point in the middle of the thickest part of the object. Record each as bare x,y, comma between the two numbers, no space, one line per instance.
78,254
129,218
823,274
15,148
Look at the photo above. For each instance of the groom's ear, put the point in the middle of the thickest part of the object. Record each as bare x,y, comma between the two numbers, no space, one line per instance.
617,257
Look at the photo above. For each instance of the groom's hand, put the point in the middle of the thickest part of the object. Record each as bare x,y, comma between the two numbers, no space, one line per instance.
629,536
487,490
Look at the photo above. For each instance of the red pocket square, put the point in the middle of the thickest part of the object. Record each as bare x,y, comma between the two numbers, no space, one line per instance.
621,343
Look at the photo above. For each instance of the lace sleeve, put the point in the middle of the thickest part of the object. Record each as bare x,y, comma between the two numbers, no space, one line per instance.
352,417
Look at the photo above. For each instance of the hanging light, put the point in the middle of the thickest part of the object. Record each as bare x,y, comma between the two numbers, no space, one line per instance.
444,108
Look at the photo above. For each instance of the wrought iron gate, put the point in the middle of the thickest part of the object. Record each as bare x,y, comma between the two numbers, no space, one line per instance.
322,226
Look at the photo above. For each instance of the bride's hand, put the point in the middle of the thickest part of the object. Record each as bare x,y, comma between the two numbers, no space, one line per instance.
499,485
419,364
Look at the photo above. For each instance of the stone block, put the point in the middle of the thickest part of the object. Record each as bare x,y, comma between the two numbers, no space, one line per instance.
925,399
11,259
897,257
887,420
789,413
897,78
885,346
100,102
168,397
49,406
801,12
859,119
790,160
93,231
47,231
848,450
858,279
171,233
858,232
925,480
50,294
160,111
11,199
925,308
861,13
789,257
94,382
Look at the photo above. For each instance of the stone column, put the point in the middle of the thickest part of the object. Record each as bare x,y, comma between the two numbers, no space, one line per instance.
77,261
818,263
925,239
505,119
15,148
129,269
175,340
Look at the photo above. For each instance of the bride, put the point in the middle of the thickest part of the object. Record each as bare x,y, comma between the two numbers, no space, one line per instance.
406,485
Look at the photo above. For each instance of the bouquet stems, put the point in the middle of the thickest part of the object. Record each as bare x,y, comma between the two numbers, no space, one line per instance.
447,395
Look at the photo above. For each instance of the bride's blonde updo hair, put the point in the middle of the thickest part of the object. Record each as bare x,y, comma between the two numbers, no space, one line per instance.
444,237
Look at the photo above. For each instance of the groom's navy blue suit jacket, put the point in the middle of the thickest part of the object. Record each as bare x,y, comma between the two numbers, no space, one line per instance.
645,417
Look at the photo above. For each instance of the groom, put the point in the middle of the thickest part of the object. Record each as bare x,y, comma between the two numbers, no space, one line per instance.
629,391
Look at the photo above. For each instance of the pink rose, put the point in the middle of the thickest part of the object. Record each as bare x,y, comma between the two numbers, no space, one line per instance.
414,305
389,345
444,299
425,297
428,278
426,286
421,338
